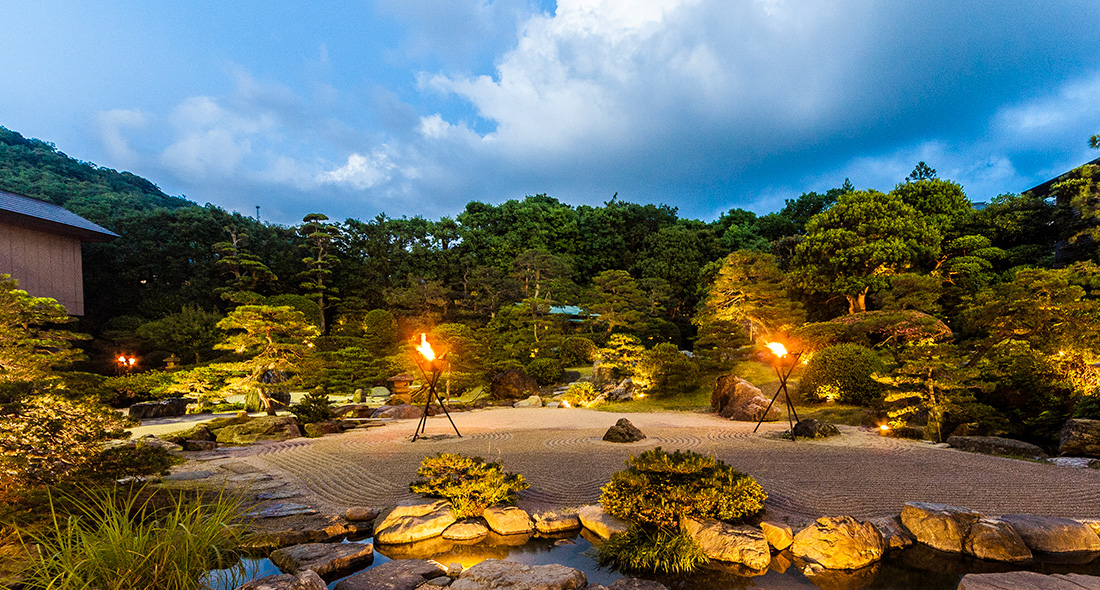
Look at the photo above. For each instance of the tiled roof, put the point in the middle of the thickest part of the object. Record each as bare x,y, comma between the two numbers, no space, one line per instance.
49,217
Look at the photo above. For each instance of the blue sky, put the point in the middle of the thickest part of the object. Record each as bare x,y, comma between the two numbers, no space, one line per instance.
410,107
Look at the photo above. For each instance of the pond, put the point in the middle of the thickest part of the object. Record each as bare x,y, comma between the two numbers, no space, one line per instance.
917,568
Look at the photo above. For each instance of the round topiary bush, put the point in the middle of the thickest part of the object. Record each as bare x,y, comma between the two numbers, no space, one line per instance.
469,483
664,371
577,350
844,372
545,371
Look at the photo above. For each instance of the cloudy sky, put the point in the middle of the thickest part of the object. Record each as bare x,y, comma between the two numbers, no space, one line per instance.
415,107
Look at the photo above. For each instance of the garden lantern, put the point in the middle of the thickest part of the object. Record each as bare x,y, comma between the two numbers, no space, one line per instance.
783,364
435,369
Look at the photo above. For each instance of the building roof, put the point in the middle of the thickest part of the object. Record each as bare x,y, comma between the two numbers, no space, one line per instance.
1043,189
36,214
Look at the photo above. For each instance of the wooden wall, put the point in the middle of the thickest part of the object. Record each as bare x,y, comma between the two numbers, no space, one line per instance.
46,264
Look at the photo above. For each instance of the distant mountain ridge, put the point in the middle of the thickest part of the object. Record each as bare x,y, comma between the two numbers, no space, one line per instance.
36,168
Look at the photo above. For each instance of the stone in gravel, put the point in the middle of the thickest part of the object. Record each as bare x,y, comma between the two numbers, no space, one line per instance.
399,412
995,540
995,445
737,399
1080,438
466,530
361,513
508,520
594,518
494,573
264,428
399,574
168,408
939,526
1075,462
745,545
283,509
532,402
249,478
1029,580
406,523
623,432
779,536
553,405
277,495
813,428
323,558
188,475
841,543
1047,534
636,584
554,522
199,445
307,580
894,534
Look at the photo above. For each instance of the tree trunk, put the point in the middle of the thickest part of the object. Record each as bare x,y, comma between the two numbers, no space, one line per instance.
857,303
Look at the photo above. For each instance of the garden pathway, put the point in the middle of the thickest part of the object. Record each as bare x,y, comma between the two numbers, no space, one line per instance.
561,454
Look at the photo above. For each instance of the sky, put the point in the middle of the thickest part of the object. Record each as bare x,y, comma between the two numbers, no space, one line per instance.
416,107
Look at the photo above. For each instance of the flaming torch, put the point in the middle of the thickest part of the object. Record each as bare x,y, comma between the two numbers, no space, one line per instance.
425,350
783,364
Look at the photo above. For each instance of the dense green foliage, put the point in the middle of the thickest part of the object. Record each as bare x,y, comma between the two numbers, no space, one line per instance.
545,371
577,350
313,407
845,372
665,371
469,483
648,550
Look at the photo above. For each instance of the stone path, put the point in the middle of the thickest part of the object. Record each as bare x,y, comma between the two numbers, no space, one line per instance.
561,454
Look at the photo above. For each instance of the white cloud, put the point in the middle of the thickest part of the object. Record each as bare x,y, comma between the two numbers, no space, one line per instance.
361,171
112,126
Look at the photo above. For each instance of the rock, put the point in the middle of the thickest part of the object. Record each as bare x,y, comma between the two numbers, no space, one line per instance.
624,391
199,445
1029,580
636,584
361,513
553,522
745,545
154,442
263,428
512,384
1047,534
552,405
399,574
1080,438
319,429
283,509
380,392
466,530
399,412
995,445
939,526
439,582
840,543
353,411
813,428
200,432
323,558
532,402
414,522
508,520
995,540
841,579
298,530
1075,462
737,399
168,408
623,432
594,518
779,536
1092,524
494,573
894,534
307,580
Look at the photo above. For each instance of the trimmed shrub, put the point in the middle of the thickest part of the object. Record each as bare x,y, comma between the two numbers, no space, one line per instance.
313,407
664,371
577,350
581,394
845,371
469,483
545,371
658,489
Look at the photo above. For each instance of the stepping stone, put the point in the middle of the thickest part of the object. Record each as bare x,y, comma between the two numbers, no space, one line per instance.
283,509
248,477
323,558
277,495
188,475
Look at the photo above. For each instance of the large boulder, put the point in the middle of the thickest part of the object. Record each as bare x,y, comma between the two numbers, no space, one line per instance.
508,520
939,526
594,518
407,523
623,391
399,412
270,428
494,573
1080,438
549,523
1047,534
894,534
737,399
623,432
745,545
995,445
167,408
307,580
841,543
399,574
1029,580
512,384
323,558
995,540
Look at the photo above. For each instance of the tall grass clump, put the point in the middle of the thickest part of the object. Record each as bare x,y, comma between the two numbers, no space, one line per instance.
111,540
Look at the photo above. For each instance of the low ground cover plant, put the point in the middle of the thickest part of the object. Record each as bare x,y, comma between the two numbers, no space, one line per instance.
469,483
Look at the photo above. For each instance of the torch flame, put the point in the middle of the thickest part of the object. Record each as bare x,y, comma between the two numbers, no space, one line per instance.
425,348
777,348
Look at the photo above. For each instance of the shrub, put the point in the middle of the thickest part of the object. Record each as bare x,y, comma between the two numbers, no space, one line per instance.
621,355
119,542
1087,407
658,489
469,483
665,371
577,350
314,407
126,390
581,394
117,463
545,371
652,550
848,369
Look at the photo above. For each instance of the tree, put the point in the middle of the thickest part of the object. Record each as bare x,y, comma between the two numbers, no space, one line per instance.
857,244
320,242
618,302
274,338
190,333
750,291
921,172
941,203
31,343
932,378
245,271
